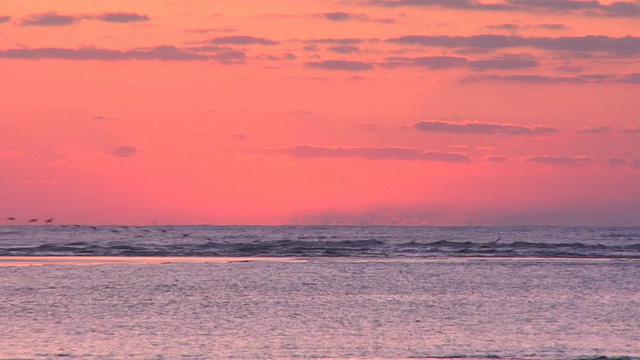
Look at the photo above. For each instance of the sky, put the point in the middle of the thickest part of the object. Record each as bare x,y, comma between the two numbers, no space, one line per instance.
355,112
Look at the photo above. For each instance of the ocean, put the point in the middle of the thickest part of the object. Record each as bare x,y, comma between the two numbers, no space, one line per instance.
322,292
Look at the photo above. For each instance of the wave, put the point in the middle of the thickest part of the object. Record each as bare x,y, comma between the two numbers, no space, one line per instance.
326,248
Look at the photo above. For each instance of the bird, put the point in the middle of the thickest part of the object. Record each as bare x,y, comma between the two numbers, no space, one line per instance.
33,220
49,221
11,218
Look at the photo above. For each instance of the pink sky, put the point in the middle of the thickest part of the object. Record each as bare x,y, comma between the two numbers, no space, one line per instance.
434,112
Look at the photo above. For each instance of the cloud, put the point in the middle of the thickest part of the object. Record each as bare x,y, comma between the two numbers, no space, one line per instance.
165,53
345,65
50,19
208,48
344,16
385,153
616,161
341,16
122,17
5,19
599,130
497,158
344,49
55,19
241,40
482,128
582,7
508,27
506,61
431,62
561,161
593,8
620,46
273,57
234,57
631,78
552,26
209,30
124,151
543,79
632,131
343,41
452,4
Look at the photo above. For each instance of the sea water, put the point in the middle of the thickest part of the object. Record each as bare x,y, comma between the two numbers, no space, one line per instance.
354,292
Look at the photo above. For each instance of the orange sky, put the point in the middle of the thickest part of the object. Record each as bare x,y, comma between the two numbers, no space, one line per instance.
320,112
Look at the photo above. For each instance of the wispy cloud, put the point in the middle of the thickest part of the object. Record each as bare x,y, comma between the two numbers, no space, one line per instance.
620,46
452,4
212,30
155,53
55,19
616,161
632,131
633,78
50,19
590,7
122,17
506,61
240,40
431,62
344,49
497,158
516,27
274,57
598,130
581,7
233,57
124,151
482,128
340,16
5,19
339,41
344,16
383,153
345,65
561,160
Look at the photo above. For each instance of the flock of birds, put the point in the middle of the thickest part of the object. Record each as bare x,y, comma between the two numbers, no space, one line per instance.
48,221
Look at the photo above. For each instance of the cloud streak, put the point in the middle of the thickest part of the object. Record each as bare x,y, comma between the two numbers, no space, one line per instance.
581,7
632,78
383,153
341,16
507,61
619,46
482,128
561,161
122,17
5,19
240,40
164,53
344,65
50,19
124,151
54,19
